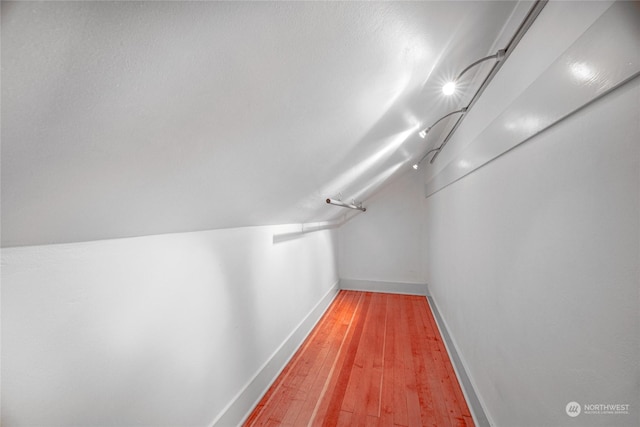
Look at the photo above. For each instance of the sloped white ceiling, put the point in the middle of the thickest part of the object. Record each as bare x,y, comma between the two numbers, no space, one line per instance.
134,118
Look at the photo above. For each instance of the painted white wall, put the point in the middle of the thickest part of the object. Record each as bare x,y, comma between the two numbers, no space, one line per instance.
384,244
152,331
533,261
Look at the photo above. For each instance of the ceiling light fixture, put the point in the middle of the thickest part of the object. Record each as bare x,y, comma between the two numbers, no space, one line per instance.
433,150
423,133
450,87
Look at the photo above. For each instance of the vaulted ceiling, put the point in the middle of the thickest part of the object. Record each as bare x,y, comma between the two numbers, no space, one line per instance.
135,118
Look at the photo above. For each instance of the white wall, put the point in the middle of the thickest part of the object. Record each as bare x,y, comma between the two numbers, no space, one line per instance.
152,331
533,261
384,244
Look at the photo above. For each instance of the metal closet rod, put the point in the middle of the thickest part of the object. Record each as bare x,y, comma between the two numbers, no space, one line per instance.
345,205
500,57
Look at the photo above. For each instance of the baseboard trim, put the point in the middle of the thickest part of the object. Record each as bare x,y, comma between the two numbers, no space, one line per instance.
240,407
386,287
475,406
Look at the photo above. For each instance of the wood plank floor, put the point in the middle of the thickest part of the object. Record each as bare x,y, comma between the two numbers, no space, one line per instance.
372,360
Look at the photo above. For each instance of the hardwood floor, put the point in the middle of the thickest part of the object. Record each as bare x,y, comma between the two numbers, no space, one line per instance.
373,360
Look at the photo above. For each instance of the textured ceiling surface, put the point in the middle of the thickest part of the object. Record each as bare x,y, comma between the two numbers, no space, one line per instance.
134,118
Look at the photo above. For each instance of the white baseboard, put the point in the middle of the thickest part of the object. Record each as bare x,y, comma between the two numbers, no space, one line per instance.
239,409
387,287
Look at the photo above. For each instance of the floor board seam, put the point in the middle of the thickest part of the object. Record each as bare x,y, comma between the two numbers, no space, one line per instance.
326,383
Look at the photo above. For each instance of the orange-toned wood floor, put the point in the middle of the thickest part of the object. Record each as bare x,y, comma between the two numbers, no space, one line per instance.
372,360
